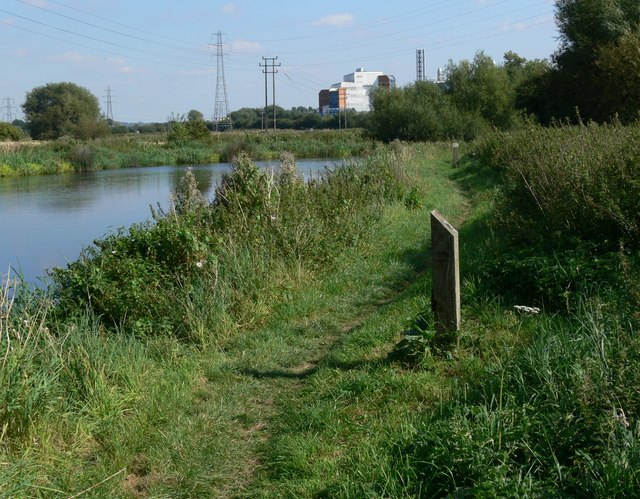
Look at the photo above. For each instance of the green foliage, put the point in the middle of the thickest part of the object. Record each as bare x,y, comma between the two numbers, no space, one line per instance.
420,112
260,222
82,157
297,118
59,109
556,415
478,95
598,46
576,181
483,88
620,94
10,132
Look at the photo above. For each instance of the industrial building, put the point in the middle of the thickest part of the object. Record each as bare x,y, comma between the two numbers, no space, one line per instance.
353,92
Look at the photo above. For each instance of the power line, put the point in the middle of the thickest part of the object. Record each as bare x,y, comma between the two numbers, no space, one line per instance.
107,42
135,37
136,28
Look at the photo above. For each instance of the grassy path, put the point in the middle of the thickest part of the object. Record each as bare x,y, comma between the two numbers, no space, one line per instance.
305,405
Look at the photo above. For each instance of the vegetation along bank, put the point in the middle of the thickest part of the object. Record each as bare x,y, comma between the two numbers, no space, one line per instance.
278,340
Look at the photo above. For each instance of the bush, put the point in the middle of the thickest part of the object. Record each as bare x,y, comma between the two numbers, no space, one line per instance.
10,132
421,112
563,181
82,157
225,255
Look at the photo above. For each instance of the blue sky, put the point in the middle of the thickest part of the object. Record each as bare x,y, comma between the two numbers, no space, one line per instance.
158,57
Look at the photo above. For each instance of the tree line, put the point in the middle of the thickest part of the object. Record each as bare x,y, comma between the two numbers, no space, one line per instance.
592,76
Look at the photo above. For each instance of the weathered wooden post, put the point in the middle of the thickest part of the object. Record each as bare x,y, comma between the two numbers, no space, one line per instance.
456,157
445,298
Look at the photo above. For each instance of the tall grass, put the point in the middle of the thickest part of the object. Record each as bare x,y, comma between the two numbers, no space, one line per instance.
571,180
123,152
559,413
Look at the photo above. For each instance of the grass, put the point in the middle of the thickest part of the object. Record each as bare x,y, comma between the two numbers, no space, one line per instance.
308,395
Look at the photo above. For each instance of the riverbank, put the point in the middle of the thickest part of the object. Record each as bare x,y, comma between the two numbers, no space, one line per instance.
298,382
66,155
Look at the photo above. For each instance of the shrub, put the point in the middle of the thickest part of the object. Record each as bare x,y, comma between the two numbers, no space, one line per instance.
10,132
82,157
224,254
579,181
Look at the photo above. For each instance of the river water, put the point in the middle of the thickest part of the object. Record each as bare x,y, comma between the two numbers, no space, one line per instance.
46,221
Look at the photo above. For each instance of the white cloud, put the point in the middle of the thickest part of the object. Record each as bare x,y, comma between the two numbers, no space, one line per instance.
517,26
72,57
246,46
196,72
36,3
121,66
8,22
229,9
128,70
116,61
335,20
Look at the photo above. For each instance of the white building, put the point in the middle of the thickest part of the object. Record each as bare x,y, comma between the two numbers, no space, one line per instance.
353,92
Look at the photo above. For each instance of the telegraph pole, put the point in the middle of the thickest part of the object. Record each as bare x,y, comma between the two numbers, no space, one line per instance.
264,110
273,72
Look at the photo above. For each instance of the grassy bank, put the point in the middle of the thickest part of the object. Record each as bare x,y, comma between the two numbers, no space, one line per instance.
140,150
257,347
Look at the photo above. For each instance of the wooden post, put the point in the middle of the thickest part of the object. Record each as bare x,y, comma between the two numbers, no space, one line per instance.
445,298
456,157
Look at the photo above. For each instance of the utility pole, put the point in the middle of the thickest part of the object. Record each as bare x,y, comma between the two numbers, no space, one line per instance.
273,72
8,107
221,116
109,114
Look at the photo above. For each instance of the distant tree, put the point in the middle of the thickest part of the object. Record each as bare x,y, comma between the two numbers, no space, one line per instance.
247,118
482,87
422,111
196,126
20,124
10,132
59,109
307,121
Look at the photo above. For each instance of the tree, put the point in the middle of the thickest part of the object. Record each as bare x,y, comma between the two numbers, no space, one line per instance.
482,87
418,112
528,78
246,117
59,109
196,126
620,66
588,77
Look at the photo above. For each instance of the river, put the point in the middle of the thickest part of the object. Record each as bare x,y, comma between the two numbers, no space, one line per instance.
46,221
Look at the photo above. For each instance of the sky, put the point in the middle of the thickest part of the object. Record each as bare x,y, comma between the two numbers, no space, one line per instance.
157,58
